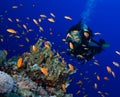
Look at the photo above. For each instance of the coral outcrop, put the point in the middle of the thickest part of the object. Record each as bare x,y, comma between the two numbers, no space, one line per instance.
40,72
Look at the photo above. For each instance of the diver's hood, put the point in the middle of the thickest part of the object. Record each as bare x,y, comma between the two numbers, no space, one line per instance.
85,27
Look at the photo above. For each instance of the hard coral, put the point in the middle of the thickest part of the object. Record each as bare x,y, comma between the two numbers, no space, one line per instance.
6,83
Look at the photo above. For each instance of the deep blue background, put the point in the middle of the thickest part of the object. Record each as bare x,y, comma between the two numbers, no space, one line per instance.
104,18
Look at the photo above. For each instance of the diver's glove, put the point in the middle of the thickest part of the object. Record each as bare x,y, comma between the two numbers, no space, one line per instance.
103,43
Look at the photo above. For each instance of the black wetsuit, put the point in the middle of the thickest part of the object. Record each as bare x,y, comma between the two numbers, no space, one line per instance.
79,49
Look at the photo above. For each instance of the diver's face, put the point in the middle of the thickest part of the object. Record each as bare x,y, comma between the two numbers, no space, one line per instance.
86,34
75,35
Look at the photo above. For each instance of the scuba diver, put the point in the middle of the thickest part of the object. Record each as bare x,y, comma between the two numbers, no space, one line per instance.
81,42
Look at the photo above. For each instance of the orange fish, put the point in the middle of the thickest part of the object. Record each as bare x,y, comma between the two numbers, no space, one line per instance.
40,20
116,64
1,40
11,31
51,33
117,52
17,36
63,87
98,77
30,30
19,62
71,45
71,67
109,69
96,63
27,39
95,85
9,19
106,78
68,17
52,15
78,92
17,20
113,74
14,6
47,45
97,33
10,35
79,82
41,28
34,48
21,45
43,16
64,40
99,92
80,56
35,21
24,26
5,51
58,55
44,71
51,20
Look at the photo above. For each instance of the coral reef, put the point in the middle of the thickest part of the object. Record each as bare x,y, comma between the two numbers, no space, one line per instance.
41,72
3,54
6,83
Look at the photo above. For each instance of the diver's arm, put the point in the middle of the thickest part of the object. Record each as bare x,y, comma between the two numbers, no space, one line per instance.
99,44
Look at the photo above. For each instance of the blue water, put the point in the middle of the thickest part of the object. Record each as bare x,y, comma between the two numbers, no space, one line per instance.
103,17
